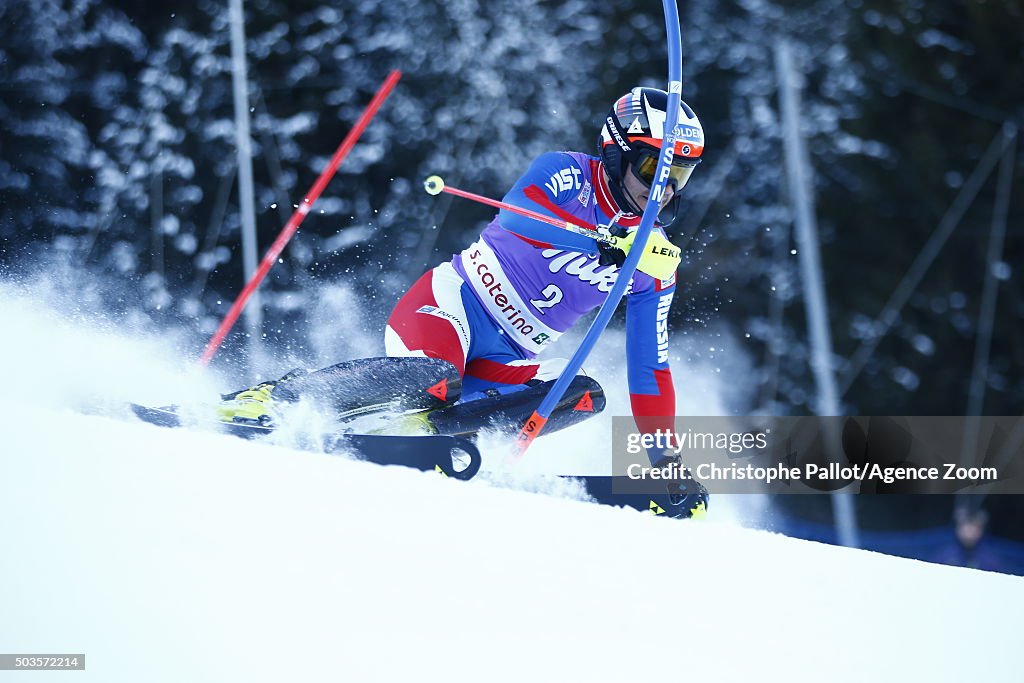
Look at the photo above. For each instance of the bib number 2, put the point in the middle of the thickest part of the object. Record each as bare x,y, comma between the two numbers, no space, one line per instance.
553,294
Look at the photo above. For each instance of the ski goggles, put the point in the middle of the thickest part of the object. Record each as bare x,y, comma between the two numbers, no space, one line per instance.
678,173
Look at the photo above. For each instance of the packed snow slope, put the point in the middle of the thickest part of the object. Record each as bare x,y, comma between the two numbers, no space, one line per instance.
179,555
168,555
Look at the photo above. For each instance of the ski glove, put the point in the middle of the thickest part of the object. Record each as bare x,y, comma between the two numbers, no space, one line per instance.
610,256
659,260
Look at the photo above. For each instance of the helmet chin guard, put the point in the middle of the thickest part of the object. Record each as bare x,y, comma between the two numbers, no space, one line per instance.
636,125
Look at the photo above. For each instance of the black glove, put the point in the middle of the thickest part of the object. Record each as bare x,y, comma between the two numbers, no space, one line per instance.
610,255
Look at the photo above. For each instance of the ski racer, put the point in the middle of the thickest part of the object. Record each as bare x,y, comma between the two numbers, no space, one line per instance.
494,308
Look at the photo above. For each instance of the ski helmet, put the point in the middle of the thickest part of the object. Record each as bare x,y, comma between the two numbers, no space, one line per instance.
631,141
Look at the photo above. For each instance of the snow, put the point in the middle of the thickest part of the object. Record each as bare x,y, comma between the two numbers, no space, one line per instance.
176,555
190,556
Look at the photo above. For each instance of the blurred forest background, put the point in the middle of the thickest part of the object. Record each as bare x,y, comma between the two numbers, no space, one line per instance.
117,157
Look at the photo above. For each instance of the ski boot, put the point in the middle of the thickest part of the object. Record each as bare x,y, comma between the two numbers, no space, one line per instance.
686,498
259,405
253,406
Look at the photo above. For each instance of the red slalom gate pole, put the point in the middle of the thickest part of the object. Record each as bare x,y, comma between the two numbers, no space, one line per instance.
293,223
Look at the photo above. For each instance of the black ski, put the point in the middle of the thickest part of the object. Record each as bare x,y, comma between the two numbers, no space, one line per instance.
452,456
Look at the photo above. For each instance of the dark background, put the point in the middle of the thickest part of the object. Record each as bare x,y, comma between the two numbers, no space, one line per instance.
117,158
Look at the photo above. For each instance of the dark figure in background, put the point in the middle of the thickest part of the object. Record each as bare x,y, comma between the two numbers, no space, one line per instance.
971,548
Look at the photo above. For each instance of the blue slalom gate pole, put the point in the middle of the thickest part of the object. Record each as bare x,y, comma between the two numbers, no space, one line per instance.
535,424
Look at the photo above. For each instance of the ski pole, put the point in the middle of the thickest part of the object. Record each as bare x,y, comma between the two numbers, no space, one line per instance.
434,185
300,213
535,423
660,261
